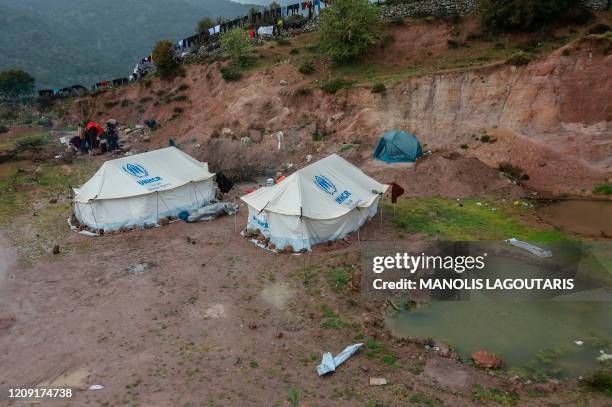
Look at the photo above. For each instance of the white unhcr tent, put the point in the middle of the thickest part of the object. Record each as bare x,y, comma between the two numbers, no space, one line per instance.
139,190
324,201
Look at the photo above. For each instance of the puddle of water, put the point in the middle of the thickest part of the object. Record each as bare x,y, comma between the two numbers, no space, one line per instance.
534,331
533,338
589,218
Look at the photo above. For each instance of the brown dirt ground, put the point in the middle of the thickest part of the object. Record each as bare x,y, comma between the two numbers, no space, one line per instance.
215,322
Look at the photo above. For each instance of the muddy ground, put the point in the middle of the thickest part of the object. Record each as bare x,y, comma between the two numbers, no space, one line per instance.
217,321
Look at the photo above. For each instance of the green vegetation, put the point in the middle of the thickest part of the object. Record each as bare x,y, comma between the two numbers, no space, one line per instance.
204,24
601,381
332,320
230,73
465,220
294,51
165,61
339,277
293,397
519,58
16,82
464,146
530,14
283,42
307,68
423,400
485,138
603,189
512,171
348,29
237,45
379,87
27,189
334,85
484,394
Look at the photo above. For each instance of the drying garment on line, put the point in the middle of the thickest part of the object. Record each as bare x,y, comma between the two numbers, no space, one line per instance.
269,30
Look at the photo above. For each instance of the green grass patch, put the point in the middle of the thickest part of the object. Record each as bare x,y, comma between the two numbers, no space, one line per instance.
332,320
339,277
466,220
600,381
334,85
484,394
603,189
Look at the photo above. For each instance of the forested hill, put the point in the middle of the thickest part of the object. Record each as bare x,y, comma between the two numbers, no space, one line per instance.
64,42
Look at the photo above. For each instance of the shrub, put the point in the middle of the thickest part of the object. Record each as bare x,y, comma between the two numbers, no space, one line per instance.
165,60
294,51
603,189
379,88
485,138
230,73
125,103
333,85
601,380
512,171
16,82
348,29
599,29
178,110
204,24
302,91
110,104
283,42
180,98
530,14
3,129
307,68
566,52
519,58
464,146
317,136
145,99
182,87
237,44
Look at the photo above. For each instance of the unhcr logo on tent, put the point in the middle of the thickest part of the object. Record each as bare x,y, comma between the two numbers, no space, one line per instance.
136,170
325,184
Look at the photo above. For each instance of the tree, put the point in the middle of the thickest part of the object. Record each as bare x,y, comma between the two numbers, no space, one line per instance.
530,14
237,44
165,60
347,29
15,82
204,24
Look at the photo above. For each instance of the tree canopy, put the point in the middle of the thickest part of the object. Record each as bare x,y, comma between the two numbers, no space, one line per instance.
204,24
347,29
530,14
15,82
165,60
237,44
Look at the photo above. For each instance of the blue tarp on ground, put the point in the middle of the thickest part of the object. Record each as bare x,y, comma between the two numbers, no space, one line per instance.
398,147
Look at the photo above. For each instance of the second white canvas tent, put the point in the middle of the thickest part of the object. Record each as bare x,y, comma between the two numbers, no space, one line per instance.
139,190
324,201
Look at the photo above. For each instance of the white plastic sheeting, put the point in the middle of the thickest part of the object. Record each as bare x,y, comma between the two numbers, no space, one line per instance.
140,189
324,201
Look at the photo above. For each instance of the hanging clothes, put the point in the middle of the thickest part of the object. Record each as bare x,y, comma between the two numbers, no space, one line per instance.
396,192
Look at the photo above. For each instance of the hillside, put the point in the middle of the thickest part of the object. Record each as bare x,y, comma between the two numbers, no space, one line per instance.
65,42
550,117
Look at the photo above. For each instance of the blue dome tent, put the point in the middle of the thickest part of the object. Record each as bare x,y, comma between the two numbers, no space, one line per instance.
398,147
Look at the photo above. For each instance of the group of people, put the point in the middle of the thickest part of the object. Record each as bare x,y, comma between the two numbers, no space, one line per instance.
92,138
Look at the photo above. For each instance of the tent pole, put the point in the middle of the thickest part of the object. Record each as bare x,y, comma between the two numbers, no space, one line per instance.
157,206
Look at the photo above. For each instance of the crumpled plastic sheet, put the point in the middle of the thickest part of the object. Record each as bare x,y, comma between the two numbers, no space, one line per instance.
213,210
330,363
